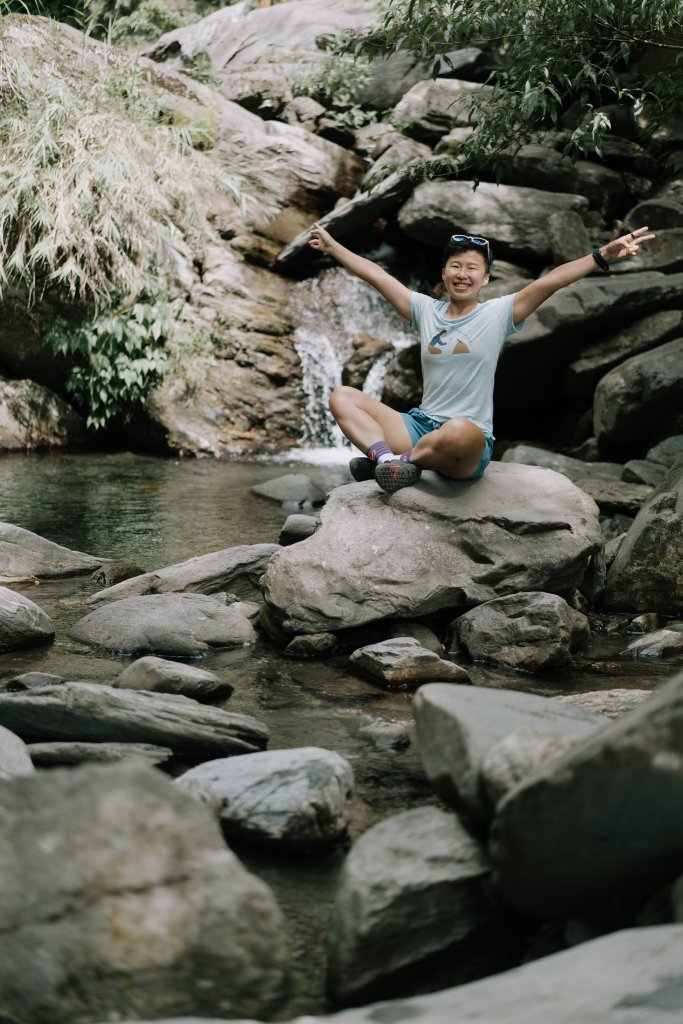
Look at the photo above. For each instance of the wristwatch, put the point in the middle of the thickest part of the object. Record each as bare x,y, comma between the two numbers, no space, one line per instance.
600,260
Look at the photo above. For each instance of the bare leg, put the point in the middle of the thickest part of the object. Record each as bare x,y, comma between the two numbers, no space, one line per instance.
454,450
364,420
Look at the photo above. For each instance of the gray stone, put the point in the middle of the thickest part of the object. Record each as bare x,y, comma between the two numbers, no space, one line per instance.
125,886
610,703
312,645
664,643
517,528
102,714
601,825
396,157
31,681
32,416
111,573
528,631
160,676
664,252
366,351
22,623
176,625
457,725
291,489
299,798
26,556
615,496
648,568
574,469
642,471
431,108
403,662
59,755
615,526
668,451
567,233
411,886
612,548
385,735
659,213
425,636
264,89
637,401
297,527
516,757
237,569
15,759
513,218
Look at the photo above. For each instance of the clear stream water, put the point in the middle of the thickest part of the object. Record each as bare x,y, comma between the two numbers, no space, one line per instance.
156,512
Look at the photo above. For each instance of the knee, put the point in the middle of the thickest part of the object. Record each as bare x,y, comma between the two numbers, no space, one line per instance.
453,439
343,398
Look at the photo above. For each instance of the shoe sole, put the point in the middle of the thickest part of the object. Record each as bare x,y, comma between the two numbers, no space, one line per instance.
392,476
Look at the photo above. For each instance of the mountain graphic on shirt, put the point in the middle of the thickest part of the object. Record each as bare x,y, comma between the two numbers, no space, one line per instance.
460,347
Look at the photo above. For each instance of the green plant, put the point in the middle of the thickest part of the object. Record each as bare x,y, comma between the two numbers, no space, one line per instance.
201,69
116,358
336,80
149,21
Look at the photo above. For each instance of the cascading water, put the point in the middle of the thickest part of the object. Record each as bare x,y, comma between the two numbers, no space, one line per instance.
330,310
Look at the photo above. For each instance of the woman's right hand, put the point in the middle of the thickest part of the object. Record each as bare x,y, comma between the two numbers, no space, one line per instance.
320,240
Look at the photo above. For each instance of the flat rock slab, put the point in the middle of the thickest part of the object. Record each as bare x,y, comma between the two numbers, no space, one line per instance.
403,663
457,727
291,489
26,556
517,528
574,469
610,703
60,755
126,888
22,623
614,497
412,886
601,825
664,643
103,714
299,798
630,977
157,675
237,569
178,625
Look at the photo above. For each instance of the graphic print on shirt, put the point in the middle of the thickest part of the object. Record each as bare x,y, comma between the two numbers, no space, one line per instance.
460,348
437,343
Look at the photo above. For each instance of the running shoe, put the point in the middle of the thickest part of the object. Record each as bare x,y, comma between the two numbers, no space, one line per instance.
391,476
362,468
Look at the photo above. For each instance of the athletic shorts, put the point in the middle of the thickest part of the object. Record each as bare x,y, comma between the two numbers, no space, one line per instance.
418,424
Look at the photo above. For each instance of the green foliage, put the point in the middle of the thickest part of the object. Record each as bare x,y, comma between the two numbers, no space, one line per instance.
116,358
149,21
201,69
555,54
335,80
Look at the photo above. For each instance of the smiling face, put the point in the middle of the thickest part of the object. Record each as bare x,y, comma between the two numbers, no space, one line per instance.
464,274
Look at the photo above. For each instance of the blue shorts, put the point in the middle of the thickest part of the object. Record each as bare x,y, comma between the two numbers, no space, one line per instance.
418,424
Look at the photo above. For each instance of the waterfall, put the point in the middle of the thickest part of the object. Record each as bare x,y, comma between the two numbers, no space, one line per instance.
328,311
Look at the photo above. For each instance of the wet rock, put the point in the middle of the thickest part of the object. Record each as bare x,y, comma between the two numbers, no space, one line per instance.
60,755
291,489
297,527
518,528
665,643
600,826
32,416
26,556
411,886
457,726
315,645
668,451
425,636
116,572
31,681
640,398
385,735
299,798
643,471
403,662
518,756
147,913
22,623
158,675
238,569
615,496
573,469
648,569
525,631
93,712
431,108
366,351
610,703
15,759
176,625
648,622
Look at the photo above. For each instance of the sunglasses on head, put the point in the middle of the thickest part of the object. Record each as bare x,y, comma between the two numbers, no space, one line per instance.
475,240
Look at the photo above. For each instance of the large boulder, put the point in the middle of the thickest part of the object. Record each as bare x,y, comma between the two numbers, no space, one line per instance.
647,572
22,623
431,108
158,675
440,545
120,899
15,758
32,416
574,469
26,556
599,827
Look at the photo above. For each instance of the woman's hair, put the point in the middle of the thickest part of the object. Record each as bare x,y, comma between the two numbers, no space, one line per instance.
451,248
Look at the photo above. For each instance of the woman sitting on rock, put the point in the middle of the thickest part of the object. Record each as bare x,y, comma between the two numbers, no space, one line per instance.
461,339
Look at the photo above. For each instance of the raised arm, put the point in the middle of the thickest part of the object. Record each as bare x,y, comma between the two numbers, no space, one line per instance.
530,298
389,287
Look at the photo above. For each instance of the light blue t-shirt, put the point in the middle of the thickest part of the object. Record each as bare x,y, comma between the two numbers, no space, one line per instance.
459,357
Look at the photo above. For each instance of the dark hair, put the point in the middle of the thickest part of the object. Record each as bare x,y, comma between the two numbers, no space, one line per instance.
452,248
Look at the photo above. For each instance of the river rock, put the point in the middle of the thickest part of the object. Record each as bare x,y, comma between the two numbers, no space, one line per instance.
312,645
402,153
517,528
137,907
297,527
32,416
411,886
425,636
97,713
664,252
291,489
518,756
648,569
574,469
527,631
615,496
511,217
457,726
668,451
600,826
664,643
237,569
22,623
158,675
431,108
176,625
637,401
402,662
298,798
26,556
610,703
60,755
15,759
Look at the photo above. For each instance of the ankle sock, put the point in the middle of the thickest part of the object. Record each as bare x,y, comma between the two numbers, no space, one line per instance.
379,448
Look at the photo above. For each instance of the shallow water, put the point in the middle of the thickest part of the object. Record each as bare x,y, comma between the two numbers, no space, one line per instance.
156,512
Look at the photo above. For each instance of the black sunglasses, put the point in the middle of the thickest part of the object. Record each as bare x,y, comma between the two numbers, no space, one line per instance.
475,240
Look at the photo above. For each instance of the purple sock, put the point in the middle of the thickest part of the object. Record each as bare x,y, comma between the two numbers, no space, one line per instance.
406,455
377,449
